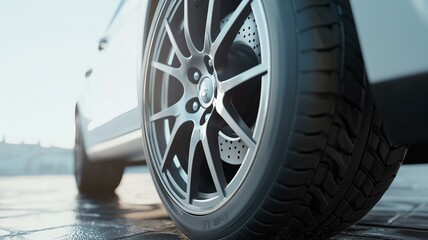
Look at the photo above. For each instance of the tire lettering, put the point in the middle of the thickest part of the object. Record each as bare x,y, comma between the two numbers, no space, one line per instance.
220,220
207,225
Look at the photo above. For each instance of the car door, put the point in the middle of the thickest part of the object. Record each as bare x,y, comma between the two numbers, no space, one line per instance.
113,84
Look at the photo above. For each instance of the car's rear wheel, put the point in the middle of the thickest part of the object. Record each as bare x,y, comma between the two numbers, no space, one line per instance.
93,178
258,120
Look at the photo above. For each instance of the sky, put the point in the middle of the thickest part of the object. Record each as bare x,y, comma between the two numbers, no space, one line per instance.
45,48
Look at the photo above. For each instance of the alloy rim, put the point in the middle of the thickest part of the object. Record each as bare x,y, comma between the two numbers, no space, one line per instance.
206,95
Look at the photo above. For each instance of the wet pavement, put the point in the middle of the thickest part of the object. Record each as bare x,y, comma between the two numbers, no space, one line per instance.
48,207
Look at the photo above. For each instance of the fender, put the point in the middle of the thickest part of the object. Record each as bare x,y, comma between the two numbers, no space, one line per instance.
393,36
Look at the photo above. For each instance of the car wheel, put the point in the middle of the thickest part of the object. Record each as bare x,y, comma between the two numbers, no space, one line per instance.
258,120
93,178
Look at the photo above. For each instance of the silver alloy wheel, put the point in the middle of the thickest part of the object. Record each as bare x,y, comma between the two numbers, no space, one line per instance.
205,86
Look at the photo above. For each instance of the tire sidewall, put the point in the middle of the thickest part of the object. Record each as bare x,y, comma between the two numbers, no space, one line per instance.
280,27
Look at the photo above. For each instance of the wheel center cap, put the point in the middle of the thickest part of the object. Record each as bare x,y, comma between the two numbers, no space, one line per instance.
206,92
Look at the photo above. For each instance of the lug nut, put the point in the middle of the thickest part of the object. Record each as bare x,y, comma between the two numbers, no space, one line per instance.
195,106
196,76
210,62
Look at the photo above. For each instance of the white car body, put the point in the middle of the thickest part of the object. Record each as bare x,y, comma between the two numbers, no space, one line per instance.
109,105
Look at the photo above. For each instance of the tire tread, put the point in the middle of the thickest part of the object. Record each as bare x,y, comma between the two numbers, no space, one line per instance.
331,102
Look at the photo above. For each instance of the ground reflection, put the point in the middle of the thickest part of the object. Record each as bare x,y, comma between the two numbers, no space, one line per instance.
50,208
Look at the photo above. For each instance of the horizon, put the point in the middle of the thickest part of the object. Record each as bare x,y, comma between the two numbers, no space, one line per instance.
39,144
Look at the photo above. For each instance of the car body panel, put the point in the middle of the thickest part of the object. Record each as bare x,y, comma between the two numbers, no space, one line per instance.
108,105
113,84
119,135
394,41
393,36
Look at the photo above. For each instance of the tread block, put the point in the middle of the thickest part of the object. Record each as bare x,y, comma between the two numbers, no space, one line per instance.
368,161
290,192
396,155
352,193
376,170
316,16
320,175
360,179
373,141
323,38
390,171
272,218
308,143
359,76
316,105
329,184
350,117
370,202
330,219
346,214
319,199
292,178
358,201
313,125
302,4
383,151
319,82
335,158
380,187
296,225
280,207
341,208
320,60
349,93
301,161
305,214
345,142
355,217
367,188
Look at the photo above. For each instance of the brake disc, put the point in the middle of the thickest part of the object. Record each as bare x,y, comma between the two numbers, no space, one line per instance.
232,149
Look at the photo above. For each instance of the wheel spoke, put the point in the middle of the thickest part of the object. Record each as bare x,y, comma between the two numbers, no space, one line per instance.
228,33
170,70
174,43
213,160
189,24
193,166
171,111
237,124
251,73
212,23
169,153
177,73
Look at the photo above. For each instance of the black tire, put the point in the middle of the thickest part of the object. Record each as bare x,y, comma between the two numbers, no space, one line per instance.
93,178
324,159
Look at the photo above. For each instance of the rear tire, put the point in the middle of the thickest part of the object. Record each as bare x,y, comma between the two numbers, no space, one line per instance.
321,156
93,178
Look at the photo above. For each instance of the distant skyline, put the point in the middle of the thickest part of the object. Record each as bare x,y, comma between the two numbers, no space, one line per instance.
45,48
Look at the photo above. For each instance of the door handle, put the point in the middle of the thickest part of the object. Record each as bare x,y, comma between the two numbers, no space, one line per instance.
88,73
102,44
